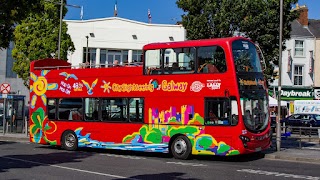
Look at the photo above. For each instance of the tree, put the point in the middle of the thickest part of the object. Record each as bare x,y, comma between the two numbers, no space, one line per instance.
11,13
37,38
256,19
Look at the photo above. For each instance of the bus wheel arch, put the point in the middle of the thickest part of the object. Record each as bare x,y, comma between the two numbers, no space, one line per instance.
69,140
180,147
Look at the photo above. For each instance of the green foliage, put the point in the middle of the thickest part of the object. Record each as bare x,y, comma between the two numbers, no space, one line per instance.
258,20
11,13
36,37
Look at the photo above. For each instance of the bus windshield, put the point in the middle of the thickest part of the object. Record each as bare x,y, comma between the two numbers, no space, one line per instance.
255,111
245,56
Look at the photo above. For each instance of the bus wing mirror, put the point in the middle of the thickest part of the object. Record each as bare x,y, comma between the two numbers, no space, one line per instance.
262,60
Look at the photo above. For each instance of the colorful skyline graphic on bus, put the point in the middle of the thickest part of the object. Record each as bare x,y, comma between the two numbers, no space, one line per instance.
163,125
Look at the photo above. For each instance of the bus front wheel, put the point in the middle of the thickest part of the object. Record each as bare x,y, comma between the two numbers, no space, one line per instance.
181,148
69,141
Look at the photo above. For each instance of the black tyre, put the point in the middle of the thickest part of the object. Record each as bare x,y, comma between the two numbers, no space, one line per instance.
181,148
69,141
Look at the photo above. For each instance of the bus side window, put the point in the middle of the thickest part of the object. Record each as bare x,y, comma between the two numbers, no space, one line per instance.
219,111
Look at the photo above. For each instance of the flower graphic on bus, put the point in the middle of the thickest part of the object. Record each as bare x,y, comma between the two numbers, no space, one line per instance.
90,88
40,86
41,127
68,76
106,86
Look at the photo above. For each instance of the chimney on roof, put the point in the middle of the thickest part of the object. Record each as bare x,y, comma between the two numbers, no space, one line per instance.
303,18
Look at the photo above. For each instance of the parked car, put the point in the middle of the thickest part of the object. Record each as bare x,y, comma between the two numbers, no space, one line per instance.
301,120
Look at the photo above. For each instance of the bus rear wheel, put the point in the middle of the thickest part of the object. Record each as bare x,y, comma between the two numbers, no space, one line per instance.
181,148
69,141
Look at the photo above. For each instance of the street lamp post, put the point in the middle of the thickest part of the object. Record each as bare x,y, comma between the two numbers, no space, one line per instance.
60,27
87,51
278,125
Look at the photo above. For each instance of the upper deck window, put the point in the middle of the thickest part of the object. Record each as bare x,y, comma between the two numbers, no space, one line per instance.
246,58
211,59
186,60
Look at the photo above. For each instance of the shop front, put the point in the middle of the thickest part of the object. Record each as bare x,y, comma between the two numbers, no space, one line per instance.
290,94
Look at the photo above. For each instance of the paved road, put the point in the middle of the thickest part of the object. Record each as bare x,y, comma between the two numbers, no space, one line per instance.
33,161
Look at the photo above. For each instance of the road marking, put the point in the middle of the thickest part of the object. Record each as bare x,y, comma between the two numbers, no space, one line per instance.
123,156
268,173
186,164
68,168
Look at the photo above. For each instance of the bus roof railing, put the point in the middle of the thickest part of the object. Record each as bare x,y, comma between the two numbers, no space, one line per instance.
89,65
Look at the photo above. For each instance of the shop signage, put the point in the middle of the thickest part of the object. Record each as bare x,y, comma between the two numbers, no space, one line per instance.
317,94
294,94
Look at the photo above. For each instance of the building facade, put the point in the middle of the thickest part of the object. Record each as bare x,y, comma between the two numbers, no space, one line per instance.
300,73
116,39
8,76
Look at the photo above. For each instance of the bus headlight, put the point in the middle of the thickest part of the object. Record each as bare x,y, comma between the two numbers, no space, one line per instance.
244,140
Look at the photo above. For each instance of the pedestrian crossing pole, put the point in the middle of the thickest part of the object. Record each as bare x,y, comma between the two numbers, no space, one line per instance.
278,125
4,127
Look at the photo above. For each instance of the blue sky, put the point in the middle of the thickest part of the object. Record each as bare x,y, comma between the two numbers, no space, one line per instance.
162,11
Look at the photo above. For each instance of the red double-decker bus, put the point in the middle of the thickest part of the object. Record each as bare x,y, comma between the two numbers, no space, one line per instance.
191,97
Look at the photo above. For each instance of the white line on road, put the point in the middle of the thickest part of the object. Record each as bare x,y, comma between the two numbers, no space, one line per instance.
186,164
268,173
68,168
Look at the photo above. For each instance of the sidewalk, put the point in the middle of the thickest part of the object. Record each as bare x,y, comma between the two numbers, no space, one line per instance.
16,137
310,151
290,150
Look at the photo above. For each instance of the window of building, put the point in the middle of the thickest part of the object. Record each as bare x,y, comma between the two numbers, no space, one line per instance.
125,57
114,57
91,55
136,56
299,48
298,74
9,62
103,57
221,111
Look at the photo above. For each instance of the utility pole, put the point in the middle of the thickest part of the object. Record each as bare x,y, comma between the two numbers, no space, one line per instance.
60,27
278,125
87,51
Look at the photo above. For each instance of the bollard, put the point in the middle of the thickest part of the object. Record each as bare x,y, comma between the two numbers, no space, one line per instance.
283,127
26,126
310,131
300,138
